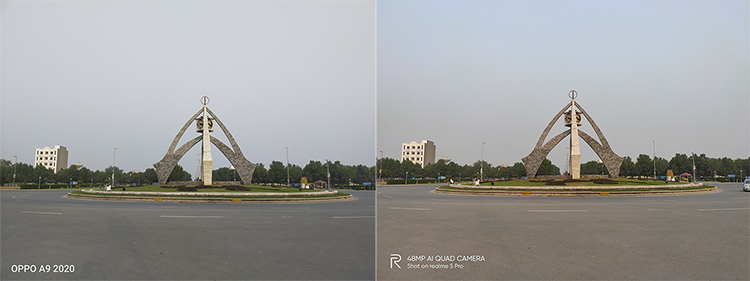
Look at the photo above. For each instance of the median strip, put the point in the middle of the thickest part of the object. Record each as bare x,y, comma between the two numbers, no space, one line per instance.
410,209
724,209
41,213
556,211
194,217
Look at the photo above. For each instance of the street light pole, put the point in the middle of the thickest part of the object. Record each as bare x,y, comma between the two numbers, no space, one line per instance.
381,167
114,154
654,148
39,185
287,167
481,168
15,168
693,166
328,170
406,178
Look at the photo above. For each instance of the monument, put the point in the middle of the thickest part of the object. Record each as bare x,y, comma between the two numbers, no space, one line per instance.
205,125
573,120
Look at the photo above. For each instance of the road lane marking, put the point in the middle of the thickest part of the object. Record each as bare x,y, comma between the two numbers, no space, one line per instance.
724,209
556,211
410,209
41,213
194,217
69,204
356,217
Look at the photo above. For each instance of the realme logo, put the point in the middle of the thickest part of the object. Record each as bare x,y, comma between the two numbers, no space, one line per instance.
395,259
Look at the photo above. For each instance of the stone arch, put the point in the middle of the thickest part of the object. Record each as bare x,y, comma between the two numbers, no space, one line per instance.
611,160
244,167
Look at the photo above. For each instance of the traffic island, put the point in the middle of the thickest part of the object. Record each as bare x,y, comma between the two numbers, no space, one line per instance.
212,196
592,190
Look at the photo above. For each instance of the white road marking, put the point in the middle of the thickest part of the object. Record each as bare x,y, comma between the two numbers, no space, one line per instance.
411,209
356,217
69,204
194,217
41,213
556,211
724,209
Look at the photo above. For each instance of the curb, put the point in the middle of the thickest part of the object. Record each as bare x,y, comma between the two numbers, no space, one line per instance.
211,200
542,193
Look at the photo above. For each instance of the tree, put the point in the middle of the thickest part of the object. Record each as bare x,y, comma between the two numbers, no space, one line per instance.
644,166
627,168
277,172
223,174
178,174
547,168
260,175
593,168
314,171
149,176
391,168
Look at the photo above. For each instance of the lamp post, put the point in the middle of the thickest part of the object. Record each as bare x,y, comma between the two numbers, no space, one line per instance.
406,177
653,145
381,167
287,167
481,168
114,153
693,166
328,170
39,185
70,182
15,168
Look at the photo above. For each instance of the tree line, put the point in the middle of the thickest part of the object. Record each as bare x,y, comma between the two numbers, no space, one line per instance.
275,173
706,168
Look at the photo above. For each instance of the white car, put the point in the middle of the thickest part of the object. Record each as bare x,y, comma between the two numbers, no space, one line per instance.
747,185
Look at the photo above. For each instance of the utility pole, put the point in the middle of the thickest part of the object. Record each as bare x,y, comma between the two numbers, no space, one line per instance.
481,168
114,153
287,167
381,167
328,170
15,169
654,147
693,166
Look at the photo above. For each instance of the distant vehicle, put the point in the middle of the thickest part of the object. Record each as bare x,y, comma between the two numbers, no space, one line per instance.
747,185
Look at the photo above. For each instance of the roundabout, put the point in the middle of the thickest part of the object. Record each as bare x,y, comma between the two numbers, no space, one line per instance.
212,197
580,188
212,194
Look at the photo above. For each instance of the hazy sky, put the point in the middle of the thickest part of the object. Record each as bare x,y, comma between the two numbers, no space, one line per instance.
95,75
463,72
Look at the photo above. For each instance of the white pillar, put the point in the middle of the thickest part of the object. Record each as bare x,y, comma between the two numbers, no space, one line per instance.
575,152
206,161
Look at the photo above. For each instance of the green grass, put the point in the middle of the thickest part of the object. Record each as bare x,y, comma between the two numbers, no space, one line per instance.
590,190
229,195
251,188
620,182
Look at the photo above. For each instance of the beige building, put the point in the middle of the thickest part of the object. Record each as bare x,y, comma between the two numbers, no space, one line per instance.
52,158
422,153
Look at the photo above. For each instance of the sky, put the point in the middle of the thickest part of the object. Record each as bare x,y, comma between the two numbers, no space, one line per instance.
669,76
98,75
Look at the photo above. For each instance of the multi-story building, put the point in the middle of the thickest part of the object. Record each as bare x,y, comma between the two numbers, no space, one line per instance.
422,153
52,158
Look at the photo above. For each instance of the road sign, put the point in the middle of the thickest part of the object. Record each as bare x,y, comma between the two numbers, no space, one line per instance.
731,176
367,183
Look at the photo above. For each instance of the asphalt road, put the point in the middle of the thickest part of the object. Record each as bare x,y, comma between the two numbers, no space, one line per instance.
682,237
109,240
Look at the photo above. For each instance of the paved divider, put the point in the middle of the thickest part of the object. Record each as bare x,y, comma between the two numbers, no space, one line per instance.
210,197
577,191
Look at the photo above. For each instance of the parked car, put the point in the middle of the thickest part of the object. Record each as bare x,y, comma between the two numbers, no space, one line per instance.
747,185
